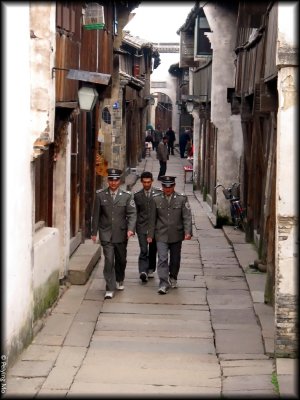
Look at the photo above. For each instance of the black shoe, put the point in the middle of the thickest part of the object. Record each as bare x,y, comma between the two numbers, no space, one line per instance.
144,277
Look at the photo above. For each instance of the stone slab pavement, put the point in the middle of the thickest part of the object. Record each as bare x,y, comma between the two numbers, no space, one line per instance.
211,336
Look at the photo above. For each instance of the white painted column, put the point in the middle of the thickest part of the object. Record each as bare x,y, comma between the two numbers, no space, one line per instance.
286,301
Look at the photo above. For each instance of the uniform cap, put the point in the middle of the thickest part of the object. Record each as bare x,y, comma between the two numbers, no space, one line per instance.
168,181
114,173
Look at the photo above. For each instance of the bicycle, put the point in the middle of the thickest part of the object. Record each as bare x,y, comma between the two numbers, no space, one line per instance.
238,213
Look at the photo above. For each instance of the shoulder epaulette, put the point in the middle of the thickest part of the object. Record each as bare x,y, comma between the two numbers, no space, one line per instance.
180,194
156,194
127,191
100,190
138,191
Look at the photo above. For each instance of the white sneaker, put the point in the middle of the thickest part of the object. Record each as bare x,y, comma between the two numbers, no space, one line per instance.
150,273
163,290
109,295
120,286
173,283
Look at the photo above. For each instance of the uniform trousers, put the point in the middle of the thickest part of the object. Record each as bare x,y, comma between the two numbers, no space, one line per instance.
147,256
115,257
168,267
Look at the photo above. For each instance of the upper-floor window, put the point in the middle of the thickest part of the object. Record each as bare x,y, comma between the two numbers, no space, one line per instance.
115,21
202,44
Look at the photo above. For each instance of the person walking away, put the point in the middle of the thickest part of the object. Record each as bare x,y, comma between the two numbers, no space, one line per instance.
148,144
158,135
148,251
188,148
162,154
149,137
114,217
171,139
170,223
183,140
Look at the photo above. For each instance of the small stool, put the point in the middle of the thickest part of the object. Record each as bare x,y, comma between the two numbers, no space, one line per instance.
186,169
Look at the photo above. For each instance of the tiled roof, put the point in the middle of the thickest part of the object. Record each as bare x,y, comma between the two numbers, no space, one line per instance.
135,41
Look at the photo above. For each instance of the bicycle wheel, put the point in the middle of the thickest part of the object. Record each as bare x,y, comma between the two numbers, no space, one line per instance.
234,215
241,217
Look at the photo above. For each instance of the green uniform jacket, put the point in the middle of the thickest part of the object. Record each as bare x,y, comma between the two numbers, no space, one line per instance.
143,205
113,219
170,222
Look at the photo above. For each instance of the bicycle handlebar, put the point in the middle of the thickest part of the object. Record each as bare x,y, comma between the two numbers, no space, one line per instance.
218,186
237,184
230,193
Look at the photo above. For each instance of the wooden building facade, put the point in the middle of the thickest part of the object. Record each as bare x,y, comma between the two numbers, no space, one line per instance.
247,150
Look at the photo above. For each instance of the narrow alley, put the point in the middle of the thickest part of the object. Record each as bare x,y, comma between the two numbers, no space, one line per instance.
211,336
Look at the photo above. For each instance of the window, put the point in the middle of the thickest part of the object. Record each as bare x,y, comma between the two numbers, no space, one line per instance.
43,174
106,115
115,21
202,44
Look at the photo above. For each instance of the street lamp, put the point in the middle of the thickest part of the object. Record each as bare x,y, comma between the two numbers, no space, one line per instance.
87,97
189,106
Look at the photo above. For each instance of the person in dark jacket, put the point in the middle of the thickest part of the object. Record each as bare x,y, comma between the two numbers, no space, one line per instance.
184,138
114,217
157,137
148,251
171,139
162,154
170,223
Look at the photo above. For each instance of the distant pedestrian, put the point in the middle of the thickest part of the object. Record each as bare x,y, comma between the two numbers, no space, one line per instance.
189,148
148,143
148,251
157,137
114,217
170,224
171,139
162,154
149,137
184,138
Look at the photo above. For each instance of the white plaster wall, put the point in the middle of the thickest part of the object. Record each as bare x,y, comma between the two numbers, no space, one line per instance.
287,142
196,143
235,127
46,256
287,154
229,134
18,189
43,47
61,204
161,74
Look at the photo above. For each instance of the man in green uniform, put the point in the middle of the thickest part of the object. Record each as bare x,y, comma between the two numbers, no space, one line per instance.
114,217
148,251
170,224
